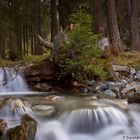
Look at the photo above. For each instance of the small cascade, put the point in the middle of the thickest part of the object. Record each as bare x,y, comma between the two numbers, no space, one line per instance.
13,110
91,124
12,81
76,118
92,120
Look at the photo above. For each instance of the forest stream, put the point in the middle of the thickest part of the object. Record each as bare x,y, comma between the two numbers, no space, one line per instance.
27,115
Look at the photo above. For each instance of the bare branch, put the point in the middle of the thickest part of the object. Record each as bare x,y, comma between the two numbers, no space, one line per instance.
45,43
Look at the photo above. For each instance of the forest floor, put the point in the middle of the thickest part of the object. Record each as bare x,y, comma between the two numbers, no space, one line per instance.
128,58
26,59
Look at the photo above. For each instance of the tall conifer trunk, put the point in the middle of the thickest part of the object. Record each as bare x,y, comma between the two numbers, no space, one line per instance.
113,25
54,22
2,49
133,24
97,12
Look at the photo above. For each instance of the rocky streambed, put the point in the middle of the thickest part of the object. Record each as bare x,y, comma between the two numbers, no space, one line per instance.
125,86
67,114
41,118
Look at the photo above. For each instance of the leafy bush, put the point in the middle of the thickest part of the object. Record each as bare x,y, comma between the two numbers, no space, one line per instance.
81,56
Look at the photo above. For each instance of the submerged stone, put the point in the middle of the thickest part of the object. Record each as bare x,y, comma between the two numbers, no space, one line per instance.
44,110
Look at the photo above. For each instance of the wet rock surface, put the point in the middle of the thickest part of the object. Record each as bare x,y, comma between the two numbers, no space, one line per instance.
25,131
44,110
3,126
134,98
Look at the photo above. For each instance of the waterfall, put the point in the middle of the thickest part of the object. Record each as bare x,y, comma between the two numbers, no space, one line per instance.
12,81
91,124
78,118
13,110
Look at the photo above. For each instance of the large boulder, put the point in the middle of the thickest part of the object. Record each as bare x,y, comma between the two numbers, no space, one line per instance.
25,131
40,73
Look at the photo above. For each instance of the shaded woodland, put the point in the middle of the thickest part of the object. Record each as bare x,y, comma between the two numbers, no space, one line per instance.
69,31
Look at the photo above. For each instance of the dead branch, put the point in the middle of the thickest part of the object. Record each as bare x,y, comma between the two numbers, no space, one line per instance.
45,43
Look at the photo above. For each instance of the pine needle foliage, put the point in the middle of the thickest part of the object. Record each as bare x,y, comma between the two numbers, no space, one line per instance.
81,59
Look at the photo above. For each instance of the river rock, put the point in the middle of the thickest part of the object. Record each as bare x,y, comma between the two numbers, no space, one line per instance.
25,131
120,68
119,85
3,125
43,87
136,85
110,93
134,98
90,83
124,71
137,76
44,110
39,72
102,87
128,89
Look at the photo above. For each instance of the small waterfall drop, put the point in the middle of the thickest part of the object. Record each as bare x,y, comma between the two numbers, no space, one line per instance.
13,110
12,81
89,119
91,124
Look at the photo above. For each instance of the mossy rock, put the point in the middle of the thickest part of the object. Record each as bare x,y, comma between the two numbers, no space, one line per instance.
25,131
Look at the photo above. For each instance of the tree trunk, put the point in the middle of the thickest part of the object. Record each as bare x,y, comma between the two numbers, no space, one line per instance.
1,46
97,15
19,29
133,24
38,48
113,25
2,49
54,22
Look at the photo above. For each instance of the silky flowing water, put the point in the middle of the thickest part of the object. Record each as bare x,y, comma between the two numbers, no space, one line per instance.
11,81
77,118
103,123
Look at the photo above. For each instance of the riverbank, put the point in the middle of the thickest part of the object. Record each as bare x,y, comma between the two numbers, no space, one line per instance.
41,77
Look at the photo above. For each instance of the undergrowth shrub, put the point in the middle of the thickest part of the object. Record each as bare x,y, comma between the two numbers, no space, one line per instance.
80,58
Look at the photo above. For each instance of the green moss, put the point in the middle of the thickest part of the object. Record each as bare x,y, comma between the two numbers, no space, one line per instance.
34,58
31,58
8,63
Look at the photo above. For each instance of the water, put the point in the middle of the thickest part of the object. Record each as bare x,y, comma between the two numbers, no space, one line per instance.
11,81
84,118
92,124
96,120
